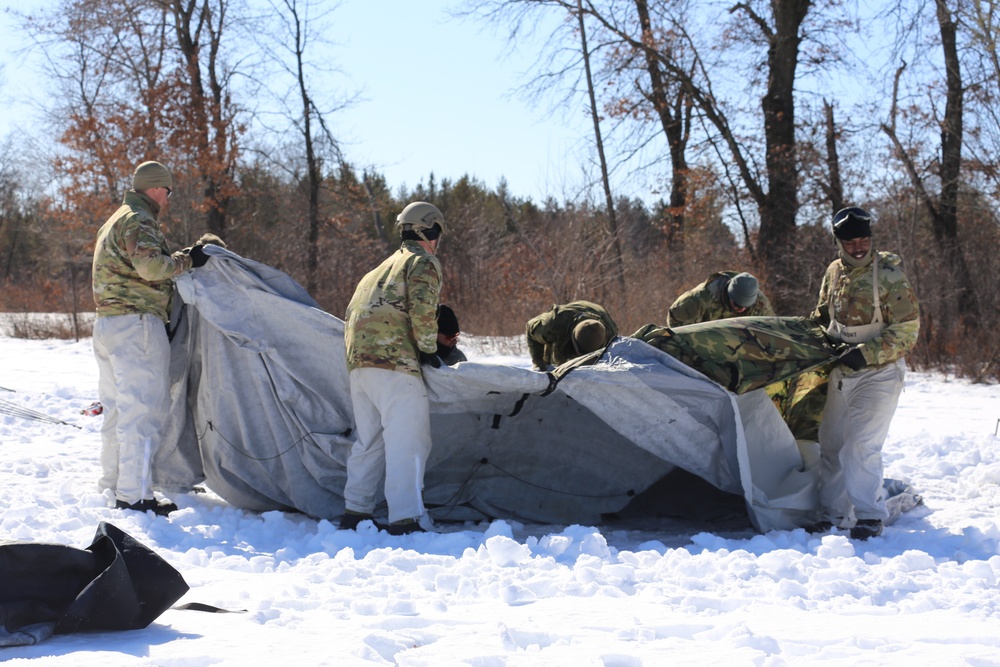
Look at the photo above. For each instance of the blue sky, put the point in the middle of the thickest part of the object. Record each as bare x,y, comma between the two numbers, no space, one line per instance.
436,94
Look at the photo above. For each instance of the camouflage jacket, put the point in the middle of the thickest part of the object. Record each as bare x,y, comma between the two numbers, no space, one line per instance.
393,313
550,335
853,303
132,267
709,302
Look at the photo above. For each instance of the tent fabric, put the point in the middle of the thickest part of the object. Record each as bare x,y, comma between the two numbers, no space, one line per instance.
116,583
261,413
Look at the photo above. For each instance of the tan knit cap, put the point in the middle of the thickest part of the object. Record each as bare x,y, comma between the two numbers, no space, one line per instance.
151,175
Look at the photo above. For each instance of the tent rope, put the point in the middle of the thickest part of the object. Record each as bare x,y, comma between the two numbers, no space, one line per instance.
14,410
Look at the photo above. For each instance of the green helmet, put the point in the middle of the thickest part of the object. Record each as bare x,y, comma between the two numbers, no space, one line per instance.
588,336
420,218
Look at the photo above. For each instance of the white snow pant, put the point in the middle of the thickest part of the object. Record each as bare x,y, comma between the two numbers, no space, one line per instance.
133,358
392,415
855,422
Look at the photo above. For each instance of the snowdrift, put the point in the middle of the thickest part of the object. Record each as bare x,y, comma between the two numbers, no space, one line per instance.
261,414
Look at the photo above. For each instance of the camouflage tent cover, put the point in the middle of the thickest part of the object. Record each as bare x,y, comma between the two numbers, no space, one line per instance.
261,413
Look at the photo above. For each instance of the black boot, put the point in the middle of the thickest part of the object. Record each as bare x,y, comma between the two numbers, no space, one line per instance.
866,528
351,519
404,527
159,508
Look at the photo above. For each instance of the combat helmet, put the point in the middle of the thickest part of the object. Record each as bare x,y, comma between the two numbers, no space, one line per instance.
420,221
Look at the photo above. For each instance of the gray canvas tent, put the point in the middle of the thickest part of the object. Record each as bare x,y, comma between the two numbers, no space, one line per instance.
261,414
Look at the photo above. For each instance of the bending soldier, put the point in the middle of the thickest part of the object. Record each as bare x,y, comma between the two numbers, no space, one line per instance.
568,331
725,294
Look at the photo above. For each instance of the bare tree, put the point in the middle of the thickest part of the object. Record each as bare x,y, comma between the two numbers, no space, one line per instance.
207,118
775,191
618,268
298,26
673,108
942,209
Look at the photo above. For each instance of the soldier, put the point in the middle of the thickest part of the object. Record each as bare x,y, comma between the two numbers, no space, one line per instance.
132,289
390,332
725,294
448,333
865,300
568,331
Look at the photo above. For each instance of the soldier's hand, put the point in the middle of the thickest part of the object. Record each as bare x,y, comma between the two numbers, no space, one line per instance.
427,359
198,256
854,359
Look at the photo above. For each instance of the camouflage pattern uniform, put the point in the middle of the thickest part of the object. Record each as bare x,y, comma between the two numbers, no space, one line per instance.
393,314
132,267
132,285
861,403
745,353
550,335
390,320
799,399
709,301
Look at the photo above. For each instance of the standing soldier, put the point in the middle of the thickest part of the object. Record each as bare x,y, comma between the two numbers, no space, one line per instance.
132,283
865,300
391,331
568,331
725,294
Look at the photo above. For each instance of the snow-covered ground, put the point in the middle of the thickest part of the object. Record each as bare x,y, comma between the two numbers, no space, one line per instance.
674,593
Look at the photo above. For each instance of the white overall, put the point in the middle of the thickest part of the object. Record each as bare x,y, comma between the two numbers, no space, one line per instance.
392,415
859,409
133,359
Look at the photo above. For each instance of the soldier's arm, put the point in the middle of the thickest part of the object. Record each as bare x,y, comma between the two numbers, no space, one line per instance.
534,331
763,307
902,313
425,292
144,246
685,310
821,314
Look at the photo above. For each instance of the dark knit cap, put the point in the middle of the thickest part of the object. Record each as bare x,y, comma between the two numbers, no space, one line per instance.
447,321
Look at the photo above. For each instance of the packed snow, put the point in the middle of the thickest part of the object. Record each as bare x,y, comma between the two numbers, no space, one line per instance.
671,592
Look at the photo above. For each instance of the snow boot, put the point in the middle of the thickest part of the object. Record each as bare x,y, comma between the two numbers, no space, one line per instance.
866,528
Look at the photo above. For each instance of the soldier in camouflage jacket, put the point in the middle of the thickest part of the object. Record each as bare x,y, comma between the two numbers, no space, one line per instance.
132,284
723,295
567,331
865,300
390,332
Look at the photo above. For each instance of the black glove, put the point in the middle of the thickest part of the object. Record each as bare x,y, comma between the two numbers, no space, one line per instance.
198,256
853,359
429,359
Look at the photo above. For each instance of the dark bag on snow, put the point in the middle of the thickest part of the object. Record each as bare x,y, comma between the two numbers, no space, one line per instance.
116,583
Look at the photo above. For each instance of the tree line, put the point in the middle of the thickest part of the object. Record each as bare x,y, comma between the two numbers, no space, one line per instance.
730,107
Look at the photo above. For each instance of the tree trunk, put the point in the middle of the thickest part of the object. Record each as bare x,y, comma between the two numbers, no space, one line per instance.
834,188
780,206
674,115
617,263
945,223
